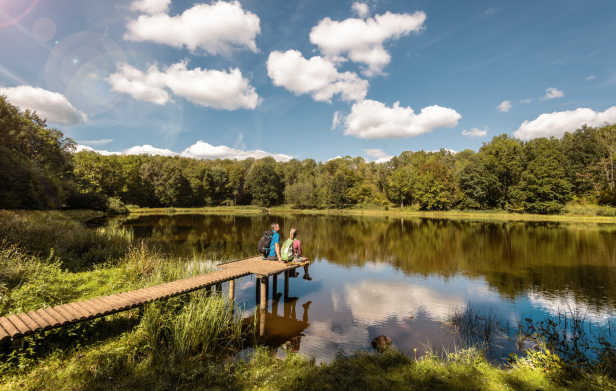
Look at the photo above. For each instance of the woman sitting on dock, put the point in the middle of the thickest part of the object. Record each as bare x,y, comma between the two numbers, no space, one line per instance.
297,253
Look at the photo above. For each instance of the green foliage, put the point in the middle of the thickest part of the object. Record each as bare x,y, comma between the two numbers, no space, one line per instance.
264,182
434,188
36,161
115,206
40,170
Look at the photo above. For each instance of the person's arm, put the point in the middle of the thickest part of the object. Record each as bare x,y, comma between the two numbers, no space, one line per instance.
277,246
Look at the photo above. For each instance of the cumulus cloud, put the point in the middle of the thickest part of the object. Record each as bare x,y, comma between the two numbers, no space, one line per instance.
370,120
552,93
203,150
589,78
557,123
361,9
363,40
50,105
525,101
151,7
504,106
334,158
209,88
137,150
213,28
317,76
199,150
475,132
95,142
381,157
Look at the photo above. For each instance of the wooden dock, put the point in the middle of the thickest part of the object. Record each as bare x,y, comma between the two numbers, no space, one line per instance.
15,327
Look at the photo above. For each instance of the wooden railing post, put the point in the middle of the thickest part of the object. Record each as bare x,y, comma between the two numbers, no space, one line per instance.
231,290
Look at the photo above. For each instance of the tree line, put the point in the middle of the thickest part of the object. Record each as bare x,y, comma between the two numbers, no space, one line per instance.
40,169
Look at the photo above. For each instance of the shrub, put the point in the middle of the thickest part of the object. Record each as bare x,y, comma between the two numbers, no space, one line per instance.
132,207
170,210
115,206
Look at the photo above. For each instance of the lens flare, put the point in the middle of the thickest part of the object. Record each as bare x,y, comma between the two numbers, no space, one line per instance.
44,29
12,11
77,67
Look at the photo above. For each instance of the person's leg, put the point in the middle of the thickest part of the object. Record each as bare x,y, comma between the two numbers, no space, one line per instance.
306,275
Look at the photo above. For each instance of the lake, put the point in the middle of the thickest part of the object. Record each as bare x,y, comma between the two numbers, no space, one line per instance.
402,277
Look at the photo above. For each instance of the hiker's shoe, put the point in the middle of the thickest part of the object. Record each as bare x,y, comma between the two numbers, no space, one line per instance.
307,277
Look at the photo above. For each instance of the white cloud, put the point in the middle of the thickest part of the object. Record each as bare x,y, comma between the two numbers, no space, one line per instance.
363,39
552,93
337,119
504,106
317,76
557,123
475,132
210,88
334,158
199,150
203,150
137,150
50,105
370,120
525,101
95,142
151,7
361,9
239,142
214,28
589,78
381,156
488,12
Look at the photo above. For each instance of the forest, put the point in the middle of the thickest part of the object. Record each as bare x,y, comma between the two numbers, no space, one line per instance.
42,170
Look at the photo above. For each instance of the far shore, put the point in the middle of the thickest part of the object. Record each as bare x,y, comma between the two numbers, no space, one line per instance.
467,215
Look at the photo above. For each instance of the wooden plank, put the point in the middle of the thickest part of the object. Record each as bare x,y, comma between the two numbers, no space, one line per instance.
66,314
39,320
56,315
48,318
112,304
4,335
32,325
74,312
80,310
10,328
102,305
21,326
94,308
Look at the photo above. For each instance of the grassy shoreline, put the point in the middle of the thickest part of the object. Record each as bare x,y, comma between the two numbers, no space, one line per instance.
407,212
185,343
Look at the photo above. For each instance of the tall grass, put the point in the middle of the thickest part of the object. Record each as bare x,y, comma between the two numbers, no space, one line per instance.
38,232
567,341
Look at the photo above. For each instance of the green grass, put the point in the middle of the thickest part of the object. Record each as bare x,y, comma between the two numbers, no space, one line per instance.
189,342
573,212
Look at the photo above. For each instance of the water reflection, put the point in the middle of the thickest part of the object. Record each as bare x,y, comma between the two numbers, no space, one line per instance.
401,277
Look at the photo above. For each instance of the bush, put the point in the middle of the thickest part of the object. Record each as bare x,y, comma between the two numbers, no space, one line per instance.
170,210
96,201
115,206
132,207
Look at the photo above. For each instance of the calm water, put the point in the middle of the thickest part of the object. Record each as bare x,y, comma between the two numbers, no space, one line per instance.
402,277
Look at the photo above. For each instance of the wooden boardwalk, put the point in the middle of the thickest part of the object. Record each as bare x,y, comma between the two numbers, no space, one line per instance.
14,327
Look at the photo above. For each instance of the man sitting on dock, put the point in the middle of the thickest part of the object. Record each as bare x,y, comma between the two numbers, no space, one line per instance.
274,251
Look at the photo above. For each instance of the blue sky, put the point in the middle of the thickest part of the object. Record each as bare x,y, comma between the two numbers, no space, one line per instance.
224,79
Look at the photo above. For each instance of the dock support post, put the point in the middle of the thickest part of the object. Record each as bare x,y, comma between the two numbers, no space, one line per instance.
219,289
231,290
262,312
17,343
264,286
274,286
286,285
258,292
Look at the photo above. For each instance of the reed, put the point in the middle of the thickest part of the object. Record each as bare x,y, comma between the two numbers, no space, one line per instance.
40,232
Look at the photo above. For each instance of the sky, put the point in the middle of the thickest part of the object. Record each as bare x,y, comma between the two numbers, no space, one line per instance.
308,79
